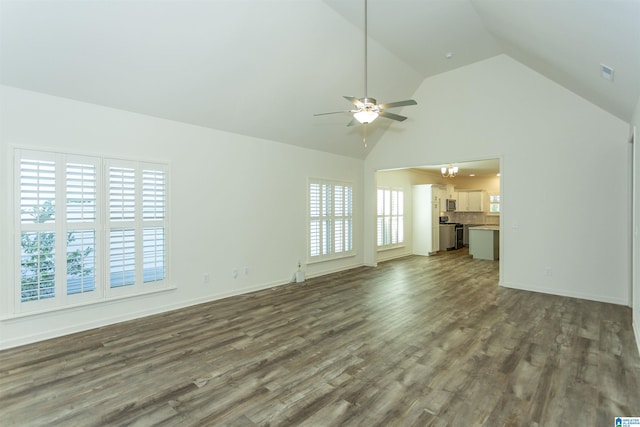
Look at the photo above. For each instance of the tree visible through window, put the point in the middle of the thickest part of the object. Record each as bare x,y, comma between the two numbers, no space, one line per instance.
62,256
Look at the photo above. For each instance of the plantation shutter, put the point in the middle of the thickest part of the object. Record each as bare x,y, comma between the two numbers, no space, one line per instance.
330,219
348,219
87,228
394,217
326,212
315,236
153,215
122,233
81,181
338,233
37,195
400,217
380,218
390,217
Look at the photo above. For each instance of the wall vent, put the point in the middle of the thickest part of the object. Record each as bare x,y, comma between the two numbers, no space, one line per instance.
606,72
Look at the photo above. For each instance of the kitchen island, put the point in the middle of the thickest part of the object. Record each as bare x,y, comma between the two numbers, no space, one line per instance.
484,242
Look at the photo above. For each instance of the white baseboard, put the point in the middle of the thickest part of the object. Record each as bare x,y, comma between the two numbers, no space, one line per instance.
106,321
563,293
335,270
110,320
383,258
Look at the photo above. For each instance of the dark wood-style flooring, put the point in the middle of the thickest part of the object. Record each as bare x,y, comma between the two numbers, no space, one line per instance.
414,342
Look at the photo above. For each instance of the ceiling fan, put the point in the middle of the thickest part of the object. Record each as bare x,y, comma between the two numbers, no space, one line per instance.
367,109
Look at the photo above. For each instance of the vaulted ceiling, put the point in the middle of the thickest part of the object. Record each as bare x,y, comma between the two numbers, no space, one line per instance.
262,68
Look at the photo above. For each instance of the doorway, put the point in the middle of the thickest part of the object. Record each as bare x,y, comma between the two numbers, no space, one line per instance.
480,177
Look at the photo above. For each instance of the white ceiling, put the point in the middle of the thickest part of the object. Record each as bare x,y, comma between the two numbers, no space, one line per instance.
263,67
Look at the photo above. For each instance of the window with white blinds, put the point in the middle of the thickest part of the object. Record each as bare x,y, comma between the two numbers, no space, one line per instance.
390,217
37,214
87,227
153,216
81,186
330,219
137,231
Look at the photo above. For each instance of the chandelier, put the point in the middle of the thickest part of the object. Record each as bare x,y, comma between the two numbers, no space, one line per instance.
450,171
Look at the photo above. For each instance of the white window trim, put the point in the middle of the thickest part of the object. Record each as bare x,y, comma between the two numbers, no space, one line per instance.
332,255
400,243
103,292
499,203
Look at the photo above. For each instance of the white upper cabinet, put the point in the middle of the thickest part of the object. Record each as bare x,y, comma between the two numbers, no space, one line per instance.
471,201
475,201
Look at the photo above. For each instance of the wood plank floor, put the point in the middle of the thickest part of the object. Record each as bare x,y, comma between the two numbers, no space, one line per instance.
414,342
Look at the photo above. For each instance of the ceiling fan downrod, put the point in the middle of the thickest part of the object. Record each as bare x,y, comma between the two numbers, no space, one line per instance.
367,109
366,98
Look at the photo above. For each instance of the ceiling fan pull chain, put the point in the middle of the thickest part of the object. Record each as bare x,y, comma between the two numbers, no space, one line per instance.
364,135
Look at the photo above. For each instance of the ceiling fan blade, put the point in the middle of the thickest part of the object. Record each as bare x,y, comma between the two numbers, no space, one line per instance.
333,112
398,104
392,116
353,122
354,101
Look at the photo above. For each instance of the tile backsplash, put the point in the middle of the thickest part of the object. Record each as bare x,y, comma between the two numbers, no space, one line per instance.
472,218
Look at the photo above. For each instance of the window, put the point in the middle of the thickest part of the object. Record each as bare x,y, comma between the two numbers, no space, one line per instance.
330,219
494,203
390,219
64,204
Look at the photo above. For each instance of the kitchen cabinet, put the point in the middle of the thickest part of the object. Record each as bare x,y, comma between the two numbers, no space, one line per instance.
465,233
471,201
446,193
475,201
463,201
426,222
443,198
447,236
449,192
484,242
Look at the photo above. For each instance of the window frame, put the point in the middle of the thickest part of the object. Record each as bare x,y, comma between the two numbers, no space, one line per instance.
69,186
497,203
342,216
382,216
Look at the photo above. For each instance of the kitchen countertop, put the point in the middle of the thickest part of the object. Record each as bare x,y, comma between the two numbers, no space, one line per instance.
486,227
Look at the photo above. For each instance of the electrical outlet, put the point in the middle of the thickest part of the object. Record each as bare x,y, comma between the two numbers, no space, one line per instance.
234,274
205,278
548,271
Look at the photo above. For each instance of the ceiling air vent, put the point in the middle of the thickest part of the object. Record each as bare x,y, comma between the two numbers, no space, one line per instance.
606,72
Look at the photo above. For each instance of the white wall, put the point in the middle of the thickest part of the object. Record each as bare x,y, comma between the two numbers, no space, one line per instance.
236,201
554,146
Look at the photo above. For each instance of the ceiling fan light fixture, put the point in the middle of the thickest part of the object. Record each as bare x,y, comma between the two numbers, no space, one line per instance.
365,116
367,109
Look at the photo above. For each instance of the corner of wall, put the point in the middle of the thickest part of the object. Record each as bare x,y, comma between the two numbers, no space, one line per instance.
635,276
636,331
